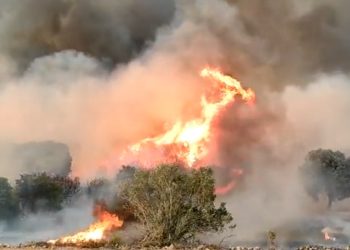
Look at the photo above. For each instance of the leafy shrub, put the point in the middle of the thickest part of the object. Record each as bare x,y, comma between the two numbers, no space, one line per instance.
173,204
45,192
9,207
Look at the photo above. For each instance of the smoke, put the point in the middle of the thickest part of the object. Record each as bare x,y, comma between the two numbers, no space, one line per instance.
48,226
100,75
34,157
271,197
114,31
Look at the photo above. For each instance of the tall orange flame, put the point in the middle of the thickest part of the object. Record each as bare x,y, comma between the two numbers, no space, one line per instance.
190,139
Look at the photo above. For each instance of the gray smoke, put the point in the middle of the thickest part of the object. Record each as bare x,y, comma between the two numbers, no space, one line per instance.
35,157
109,30
100,75
49,226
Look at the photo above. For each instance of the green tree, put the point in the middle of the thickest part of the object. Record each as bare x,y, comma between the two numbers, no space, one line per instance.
173,204
45,192
326,171
9,207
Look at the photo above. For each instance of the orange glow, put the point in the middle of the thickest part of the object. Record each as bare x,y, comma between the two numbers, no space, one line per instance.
189,139
328,237
225,189
235,173
105,224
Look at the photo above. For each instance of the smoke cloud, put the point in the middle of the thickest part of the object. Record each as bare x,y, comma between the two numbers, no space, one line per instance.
114,31
100,75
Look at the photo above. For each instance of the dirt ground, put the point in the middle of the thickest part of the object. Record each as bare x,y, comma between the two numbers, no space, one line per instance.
170,248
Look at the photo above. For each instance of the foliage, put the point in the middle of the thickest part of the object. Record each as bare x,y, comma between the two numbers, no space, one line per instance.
45,192
97,188
326,171
173,205
271,237
118,205
9,207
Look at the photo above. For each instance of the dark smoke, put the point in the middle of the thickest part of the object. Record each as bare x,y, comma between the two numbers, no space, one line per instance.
286,42
115,31
269,43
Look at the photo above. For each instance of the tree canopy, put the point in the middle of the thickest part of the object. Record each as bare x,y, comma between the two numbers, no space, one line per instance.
45,192
326,171
9,207
174,204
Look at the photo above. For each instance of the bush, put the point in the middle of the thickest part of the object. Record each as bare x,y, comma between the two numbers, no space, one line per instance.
173,205
9,207
45,192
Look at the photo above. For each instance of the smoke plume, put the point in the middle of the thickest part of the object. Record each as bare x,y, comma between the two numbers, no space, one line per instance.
101,75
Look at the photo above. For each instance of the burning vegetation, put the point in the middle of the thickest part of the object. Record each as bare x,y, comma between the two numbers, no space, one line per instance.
151,126
99,231
174,202
173,205
188,141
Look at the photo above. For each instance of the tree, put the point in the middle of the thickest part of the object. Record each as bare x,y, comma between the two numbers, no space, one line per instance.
326,171
45,192
173,204
9,208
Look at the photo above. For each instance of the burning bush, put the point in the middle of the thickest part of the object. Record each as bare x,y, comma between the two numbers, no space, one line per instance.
97,234
173,204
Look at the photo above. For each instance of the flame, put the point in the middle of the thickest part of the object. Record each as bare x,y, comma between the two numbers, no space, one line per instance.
189,140
327,234
234,174
328,237
105,224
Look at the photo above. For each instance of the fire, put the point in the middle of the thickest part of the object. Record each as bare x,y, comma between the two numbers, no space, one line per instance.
188,140
328,237
105,224
327,234
235,173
